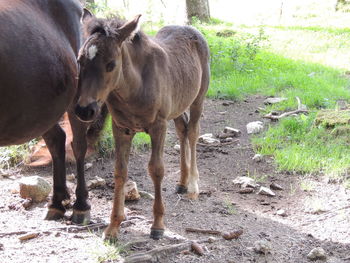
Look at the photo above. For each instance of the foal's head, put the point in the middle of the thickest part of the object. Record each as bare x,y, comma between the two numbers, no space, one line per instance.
100,61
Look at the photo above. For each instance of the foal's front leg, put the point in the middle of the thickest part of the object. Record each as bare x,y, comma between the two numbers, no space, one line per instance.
156,170
123,139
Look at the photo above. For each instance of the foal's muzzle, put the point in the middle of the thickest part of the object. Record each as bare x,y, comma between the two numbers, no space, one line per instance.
87,113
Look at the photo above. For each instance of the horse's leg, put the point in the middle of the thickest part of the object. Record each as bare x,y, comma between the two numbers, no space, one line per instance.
156,170
181,124
81,207
55,139
123,139
193,132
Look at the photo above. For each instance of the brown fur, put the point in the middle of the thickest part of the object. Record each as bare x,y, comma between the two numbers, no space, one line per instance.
38,82
153,81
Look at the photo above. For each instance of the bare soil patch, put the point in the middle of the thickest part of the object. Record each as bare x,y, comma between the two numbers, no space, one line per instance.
319,216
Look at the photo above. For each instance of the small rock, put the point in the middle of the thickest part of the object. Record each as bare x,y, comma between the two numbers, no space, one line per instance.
208,138
228,139
35,188
88,166
177,147
247,190
281,212
262,246
131,192
97,182
257,158
146,195
233,131
273,100
275,186
26,203
317,253
232,235
245,181
71,177
255,127
266,191
211,240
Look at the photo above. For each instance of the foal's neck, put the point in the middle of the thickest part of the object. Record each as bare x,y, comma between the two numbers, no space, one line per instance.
133,62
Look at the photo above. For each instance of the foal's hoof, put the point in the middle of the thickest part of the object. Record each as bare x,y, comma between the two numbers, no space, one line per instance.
180,189
81,217
192,196
110,234
156,234
54,214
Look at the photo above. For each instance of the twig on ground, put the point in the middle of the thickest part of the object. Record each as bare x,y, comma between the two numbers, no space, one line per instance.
203,231
297,111
75,229
13,233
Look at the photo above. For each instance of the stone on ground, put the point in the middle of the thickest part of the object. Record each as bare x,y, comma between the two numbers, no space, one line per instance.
96,182
262,246
317,253
257,158
245,181
208,138
34,187
266,191
275,186
131,192
232,131
270,101
255,127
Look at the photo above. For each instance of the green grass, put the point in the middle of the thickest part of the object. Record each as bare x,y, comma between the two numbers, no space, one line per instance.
246,64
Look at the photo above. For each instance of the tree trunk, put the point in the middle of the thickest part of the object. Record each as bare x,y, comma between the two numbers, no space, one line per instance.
199,9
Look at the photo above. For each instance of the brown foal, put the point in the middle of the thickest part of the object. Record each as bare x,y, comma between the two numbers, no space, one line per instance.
145,82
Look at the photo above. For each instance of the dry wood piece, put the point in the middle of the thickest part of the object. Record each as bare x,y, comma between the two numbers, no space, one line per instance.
232,235
197,248
155,255
13,233
247,190
203,231
301,109
28,236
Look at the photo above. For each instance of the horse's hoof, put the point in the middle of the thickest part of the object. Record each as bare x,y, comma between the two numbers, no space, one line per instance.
180,189
192,196
156,234
54,214
110,234
81,217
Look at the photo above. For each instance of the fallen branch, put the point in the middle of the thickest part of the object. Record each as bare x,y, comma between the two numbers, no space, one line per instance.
157,253
75,229
300,109
13,233
203,231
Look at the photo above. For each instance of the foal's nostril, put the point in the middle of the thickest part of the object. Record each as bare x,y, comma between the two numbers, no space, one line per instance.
87,113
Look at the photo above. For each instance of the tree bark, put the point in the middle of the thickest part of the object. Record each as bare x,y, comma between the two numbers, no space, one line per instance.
198,9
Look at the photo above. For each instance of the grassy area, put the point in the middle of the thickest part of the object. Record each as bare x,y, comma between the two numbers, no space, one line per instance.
243,64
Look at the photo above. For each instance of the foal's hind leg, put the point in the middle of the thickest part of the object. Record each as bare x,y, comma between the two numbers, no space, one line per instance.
81,207
193,133
181,124
55,140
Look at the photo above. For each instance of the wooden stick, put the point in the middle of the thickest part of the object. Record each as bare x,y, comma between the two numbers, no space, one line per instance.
277,117
203,231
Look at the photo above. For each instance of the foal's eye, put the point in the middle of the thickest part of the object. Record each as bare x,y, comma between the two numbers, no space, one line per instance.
110,66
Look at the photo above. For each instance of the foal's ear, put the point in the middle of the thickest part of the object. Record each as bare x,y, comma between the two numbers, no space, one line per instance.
87,15
129,29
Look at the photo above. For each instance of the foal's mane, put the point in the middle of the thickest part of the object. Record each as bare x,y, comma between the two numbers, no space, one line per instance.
109,27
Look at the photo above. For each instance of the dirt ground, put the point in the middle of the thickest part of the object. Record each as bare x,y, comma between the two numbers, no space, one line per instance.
317,210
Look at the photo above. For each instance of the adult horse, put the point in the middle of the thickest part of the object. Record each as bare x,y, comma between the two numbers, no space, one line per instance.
39,41
145,82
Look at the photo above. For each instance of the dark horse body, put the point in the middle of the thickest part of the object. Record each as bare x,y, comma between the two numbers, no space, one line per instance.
145,82
39,41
